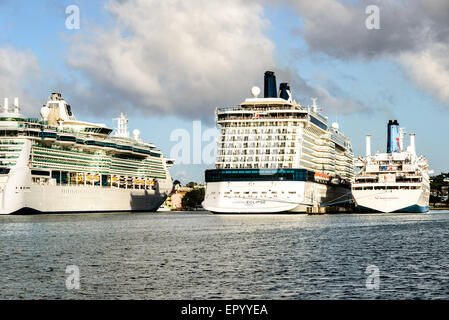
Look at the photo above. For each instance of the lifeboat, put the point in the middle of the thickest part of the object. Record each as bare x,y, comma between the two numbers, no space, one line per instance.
321,176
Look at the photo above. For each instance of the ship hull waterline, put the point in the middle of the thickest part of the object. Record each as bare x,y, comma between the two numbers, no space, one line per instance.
291,197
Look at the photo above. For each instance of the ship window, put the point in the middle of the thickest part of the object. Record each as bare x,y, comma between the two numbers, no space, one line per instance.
216,175
39,173
64,178
57,176
4,170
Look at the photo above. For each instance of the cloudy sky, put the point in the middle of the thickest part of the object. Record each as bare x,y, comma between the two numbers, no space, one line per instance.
169,63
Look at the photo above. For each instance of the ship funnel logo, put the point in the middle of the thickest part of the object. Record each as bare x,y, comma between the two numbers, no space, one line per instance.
393,141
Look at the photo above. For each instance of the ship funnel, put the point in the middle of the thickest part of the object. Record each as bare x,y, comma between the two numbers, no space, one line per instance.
393,140
412,143
270,85
5,105
284,91
368,145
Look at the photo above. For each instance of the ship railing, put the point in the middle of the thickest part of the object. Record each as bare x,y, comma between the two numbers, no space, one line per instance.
251,107
265,118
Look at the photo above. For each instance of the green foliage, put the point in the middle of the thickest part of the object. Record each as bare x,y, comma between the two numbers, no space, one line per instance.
193,198
191,184
438,181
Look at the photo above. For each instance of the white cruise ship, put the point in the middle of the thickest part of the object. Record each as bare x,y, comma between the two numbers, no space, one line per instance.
396,181
276,156
60,164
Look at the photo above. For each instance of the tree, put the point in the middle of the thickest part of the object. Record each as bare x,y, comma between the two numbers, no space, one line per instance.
193,199
438,181
436,185
191,184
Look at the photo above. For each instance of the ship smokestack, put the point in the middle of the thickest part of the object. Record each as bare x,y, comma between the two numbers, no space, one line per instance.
284,89
368,145
5,105
270,85
412,143
16,105
393,140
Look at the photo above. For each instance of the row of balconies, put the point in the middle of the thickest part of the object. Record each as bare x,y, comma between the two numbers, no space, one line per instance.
224,152
254,165
262,124
258,131
272,145
256,138
255,159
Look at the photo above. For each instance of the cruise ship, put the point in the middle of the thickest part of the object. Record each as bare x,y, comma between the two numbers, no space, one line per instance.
277,156
60,164
396,181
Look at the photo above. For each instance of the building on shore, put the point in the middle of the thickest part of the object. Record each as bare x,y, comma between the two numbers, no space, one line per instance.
174,201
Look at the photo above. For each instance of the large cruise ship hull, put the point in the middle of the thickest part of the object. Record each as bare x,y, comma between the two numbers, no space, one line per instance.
18,195
58,199
273,196
391,201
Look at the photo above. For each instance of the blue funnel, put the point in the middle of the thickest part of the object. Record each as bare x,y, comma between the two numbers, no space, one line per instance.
393,145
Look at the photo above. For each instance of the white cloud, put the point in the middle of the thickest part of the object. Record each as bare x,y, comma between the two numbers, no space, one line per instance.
178,57
19,73
413,33
429,68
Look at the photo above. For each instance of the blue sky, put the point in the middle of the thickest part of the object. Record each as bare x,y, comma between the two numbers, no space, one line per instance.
364,89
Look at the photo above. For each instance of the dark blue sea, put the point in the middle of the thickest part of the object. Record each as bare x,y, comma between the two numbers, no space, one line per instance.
197,255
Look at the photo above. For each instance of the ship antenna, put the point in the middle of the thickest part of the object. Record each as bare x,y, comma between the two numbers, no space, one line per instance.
122,126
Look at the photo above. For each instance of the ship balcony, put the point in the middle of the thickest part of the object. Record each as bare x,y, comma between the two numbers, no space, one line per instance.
245,107
222,119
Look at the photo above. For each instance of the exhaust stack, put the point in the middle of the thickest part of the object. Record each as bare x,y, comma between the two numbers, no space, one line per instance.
270,85
5,105
412,143
393,142
368,145
284,91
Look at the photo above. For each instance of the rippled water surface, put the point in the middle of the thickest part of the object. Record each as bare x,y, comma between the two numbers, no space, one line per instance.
204,256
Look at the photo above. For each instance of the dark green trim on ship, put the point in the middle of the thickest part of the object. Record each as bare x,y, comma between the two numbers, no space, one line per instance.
411,209
219,175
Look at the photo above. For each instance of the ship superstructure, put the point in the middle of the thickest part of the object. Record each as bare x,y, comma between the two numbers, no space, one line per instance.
274,155
60,164
395,181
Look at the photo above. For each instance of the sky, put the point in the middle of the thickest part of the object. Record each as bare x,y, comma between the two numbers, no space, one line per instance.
168,64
